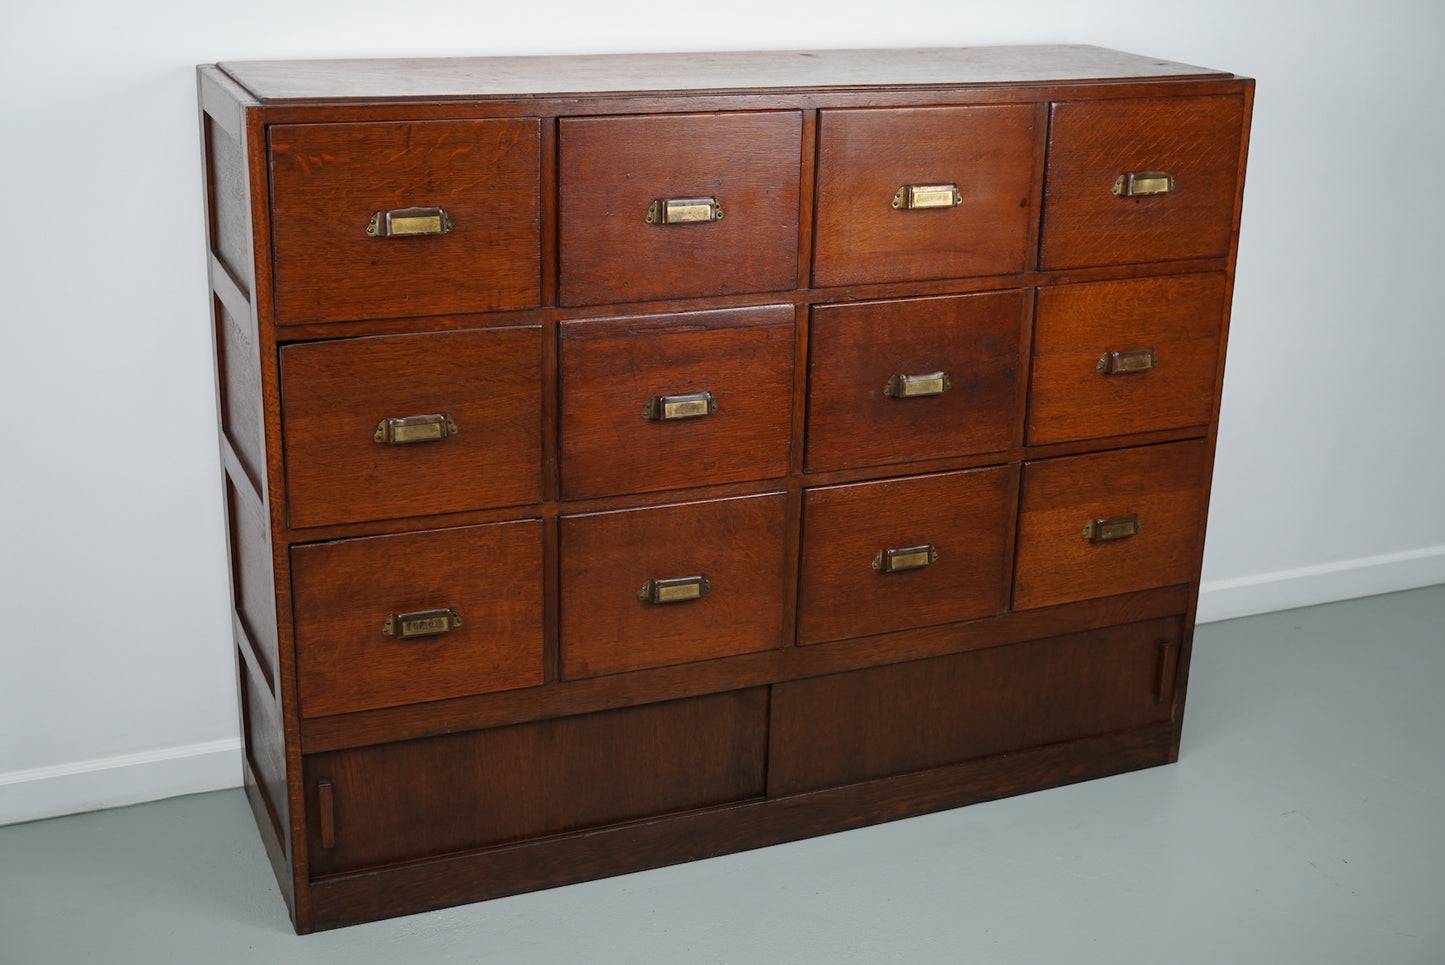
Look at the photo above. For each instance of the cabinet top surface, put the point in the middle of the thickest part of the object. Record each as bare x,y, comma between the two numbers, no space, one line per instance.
471,77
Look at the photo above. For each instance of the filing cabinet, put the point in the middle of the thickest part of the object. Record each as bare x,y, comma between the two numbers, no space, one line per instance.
633,459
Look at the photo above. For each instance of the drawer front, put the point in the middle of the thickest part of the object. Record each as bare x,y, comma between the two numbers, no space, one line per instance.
374,806
1116,357
365,633
1064,556
672,584
328,181
866,158
946,533
634,414
347,460
918,378
1095,146
906,717
613,170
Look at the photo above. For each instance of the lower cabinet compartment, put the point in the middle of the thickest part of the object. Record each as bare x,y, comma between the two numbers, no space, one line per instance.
380,805
873,723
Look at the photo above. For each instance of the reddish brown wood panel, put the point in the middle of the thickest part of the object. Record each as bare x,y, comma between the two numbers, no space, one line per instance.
613,168
737,545
238,370
398,802
890,720
252,587
336,394
230,224
1196,140
1161,485
612,369
866,156
344,592
328,180
264,739
857,349
961,514
1178,317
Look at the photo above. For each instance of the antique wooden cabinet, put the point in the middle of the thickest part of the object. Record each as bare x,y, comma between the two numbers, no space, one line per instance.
632,459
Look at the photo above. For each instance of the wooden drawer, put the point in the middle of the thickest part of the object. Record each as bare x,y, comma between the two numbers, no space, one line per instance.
882,721
1092,144
866,156
860,410
381,805
345,591
328,180
846,589
1057,562
612,170
1166,331
612,371
613,622
336,397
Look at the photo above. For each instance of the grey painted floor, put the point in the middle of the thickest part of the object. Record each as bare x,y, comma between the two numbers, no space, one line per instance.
1305,822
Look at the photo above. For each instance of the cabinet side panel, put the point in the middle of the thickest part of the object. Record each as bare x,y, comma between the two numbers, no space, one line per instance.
238,369
261,727
230,225
251,576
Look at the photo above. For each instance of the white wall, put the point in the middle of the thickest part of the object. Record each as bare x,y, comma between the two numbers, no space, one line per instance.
115,666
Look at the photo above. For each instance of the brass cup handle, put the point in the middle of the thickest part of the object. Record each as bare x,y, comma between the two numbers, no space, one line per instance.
1111,529
1124,363
421,623
1132,184
905,558
677,590
415,428
409,222
912,197
684,211
669,408
912,386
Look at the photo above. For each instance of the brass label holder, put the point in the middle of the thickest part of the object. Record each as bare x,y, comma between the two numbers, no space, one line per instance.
1133,184
421,623
684,211
1111,529
914,197
415,428
905,558
912,386
678,590
669,408
409,222
1127,362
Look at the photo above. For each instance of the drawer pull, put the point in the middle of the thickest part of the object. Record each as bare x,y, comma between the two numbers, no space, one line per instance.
1108,530
421,623
684,211
912,386
415,428
913,197
666,408
1135,183
409,222
1122,363
678,590
905,558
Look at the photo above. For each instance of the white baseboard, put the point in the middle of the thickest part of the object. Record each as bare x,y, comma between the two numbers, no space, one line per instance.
1327,583
107,782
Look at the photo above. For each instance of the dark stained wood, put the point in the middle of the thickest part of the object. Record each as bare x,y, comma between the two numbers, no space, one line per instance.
337,393
251,575
344,592
961,514
583,856
230,223
857,348
613,168
401,801
1162,485
873,723
265,750
1196,139
865,156
1177,316
736,544
238,379
612,368
329,179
